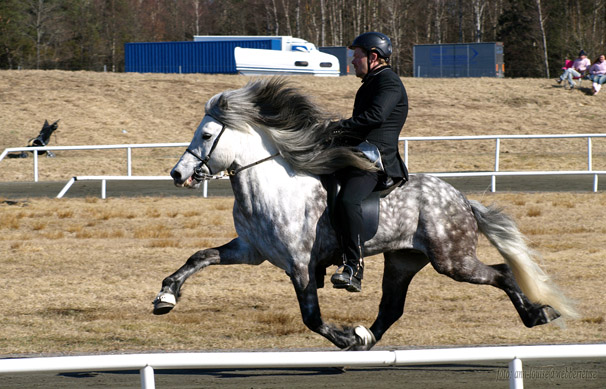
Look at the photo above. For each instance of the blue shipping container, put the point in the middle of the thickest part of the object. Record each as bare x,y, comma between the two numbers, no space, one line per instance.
459,60
186,57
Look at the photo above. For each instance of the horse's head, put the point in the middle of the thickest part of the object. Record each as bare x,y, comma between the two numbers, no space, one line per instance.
256,123
205,156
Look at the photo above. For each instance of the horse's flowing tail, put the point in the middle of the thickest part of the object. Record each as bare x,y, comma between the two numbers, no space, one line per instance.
504,234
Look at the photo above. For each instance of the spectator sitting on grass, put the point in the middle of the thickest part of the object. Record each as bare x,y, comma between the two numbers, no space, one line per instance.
576,70
597,73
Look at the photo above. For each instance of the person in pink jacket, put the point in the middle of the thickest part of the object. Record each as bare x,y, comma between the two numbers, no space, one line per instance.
578,67
597,73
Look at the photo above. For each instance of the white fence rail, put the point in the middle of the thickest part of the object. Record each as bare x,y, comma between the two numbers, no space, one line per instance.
128,147
147,363
406,140
498,139
104,180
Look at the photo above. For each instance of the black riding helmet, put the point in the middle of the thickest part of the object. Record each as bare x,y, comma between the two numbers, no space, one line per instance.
373,41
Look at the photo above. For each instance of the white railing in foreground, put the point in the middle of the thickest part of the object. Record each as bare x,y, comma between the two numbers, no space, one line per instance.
146,363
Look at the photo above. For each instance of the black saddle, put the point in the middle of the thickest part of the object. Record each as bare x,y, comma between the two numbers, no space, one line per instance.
370,212
370,205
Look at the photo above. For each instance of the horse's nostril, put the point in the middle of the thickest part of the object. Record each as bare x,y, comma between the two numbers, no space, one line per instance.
175,174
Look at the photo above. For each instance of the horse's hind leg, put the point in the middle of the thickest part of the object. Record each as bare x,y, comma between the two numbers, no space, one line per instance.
467,268
234,252
399,269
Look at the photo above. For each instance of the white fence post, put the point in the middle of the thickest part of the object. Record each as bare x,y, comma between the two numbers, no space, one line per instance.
589,156
129,162
497,152
147,378
35,166
516,375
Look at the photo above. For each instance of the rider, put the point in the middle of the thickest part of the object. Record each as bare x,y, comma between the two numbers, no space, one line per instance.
380,110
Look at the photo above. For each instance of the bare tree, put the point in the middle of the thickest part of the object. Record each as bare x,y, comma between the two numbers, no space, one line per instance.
41,12
323,22
439,9
313,27
273,11
543,36
478,11
357,20
285,7
598,15
395,12
494,10
298,18
334,12
197,15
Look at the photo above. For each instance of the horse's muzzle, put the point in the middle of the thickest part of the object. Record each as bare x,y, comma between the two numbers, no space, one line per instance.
180,181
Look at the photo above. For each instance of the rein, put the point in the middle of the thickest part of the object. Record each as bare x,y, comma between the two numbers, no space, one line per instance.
199,175
233,172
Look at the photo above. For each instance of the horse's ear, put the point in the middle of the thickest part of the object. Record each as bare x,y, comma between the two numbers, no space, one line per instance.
222,103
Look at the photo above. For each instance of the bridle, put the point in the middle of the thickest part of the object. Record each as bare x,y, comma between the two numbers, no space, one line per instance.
199,175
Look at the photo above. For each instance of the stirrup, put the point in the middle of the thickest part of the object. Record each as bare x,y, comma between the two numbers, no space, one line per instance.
343,275
344,278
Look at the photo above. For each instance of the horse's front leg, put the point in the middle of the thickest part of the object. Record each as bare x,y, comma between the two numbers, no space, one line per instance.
234,252
358,338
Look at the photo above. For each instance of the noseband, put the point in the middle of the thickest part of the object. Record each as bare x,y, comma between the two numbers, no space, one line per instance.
199,175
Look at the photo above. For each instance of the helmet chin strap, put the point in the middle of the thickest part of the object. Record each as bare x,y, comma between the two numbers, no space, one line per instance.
368,62
369,69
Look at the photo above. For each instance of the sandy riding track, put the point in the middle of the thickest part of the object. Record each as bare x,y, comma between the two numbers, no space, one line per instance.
80,273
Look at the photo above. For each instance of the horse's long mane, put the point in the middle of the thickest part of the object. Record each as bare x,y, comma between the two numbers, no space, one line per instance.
299,128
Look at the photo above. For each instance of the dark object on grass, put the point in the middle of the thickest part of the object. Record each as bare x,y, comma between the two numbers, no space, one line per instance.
44,137
41,140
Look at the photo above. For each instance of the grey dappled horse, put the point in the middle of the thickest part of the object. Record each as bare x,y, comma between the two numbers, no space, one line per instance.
272,141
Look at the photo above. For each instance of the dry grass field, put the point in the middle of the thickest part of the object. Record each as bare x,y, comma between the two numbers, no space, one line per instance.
80,274
105,108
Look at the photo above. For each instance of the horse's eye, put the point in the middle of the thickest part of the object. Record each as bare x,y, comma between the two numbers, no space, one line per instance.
206,136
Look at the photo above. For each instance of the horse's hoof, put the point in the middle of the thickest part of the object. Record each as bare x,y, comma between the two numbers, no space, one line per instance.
549,314
364,339
543,315
164,303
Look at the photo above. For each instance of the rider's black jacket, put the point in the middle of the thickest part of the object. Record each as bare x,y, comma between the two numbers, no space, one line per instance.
380,110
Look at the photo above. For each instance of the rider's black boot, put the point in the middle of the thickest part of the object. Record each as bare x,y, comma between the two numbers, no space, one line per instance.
349,276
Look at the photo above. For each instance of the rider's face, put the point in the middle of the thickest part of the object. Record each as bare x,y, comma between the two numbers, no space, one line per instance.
360,62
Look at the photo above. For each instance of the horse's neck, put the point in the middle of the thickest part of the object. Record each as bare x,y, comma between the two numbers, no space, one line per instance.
272,184
272,181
